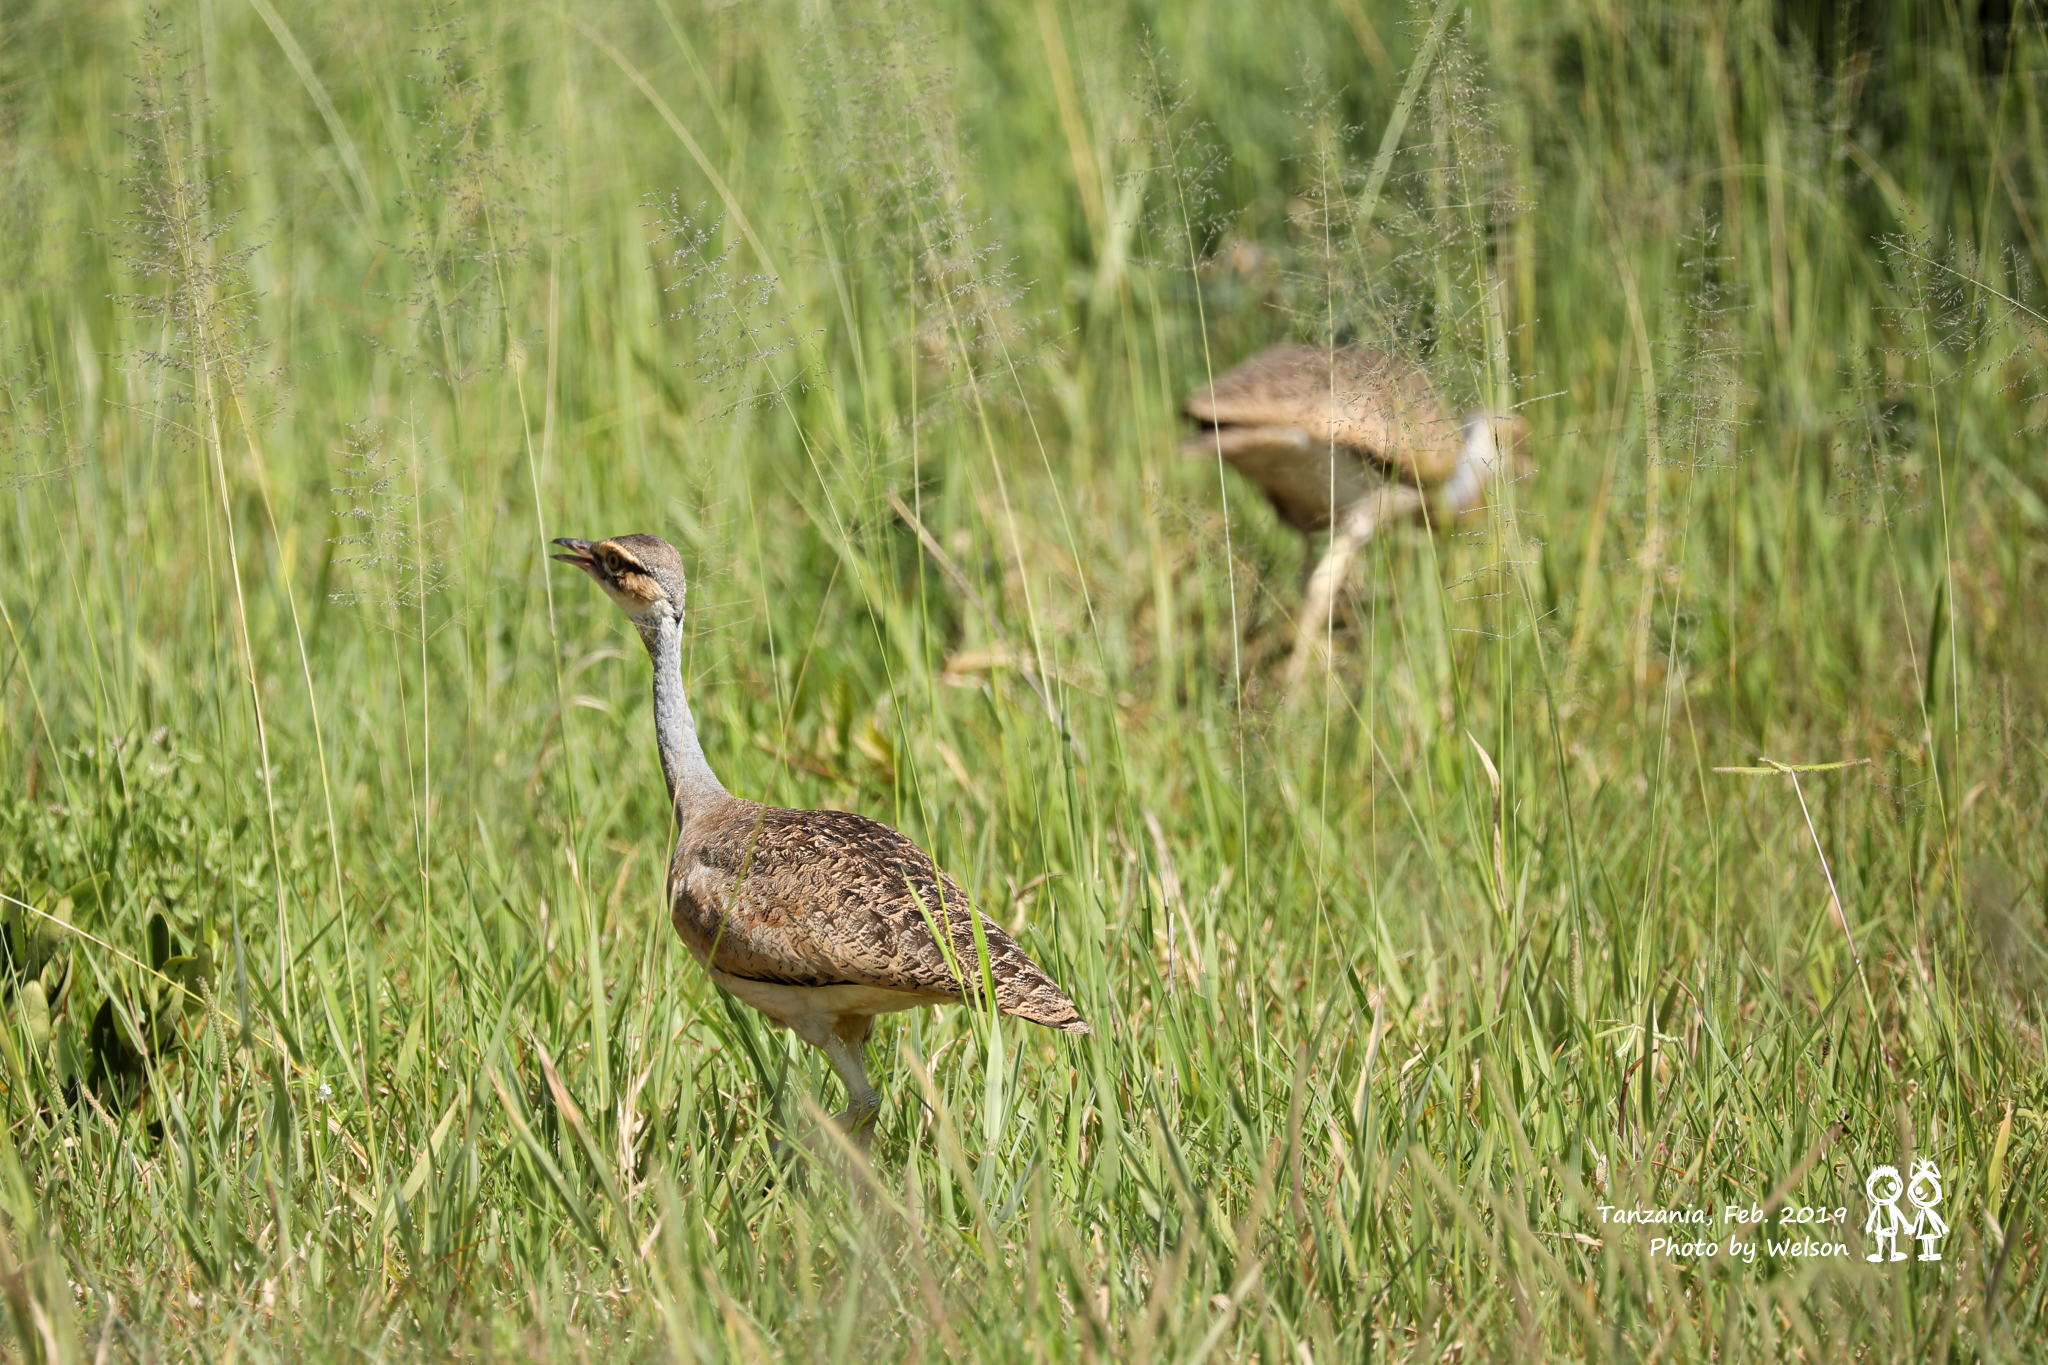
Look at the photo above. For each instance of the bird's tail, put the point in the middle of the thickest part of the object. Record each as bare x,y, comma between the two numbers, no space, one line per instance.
1022,987
1032,995
1067,1021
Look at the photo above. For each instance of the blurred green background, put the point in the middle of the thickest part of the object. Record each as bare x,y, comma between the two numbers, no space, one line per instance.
341,1013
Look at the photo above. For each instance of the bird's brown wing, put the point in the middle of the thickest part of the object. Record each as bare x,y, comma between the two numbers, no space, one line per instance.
1303,478
1363,399
825,897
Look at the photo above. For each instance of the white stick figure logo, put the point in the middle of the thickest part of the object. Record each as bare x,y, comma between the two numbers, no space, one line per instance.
1885,1222
1889,1227
1924,1191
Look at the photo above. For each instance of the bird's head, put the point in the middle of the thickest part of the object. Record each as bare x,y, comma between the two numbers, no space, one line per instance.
1512,434
643,574
1495,447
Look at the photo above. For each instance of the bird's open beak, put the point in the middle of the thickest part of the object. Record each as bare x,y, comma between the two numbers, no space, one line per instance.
579,555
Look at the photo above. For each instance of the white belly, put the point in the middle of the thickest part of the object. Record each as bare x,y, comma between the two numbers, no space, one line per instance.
812,1012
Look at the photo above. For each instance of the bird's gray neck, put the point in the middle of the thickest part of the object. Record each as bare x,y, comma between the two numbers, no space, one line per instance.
690,778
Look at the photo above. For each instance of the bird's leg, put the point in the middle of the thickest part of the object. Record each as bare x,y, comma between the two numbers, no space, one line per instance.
1319,599
843,1047
1319,594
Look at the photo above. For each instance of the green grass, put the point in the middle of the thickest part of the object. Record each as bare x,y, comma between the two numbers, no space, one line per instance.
341,1015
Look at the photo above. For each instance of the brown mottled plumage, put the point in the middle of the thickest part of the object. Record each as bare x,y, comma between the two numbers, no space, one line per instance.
820,919
1321,431
1298,419
829,898
1346,441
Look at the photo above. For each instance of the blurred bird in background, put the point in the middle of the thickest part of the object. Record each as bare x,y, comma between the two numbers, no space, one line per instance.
1346,441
